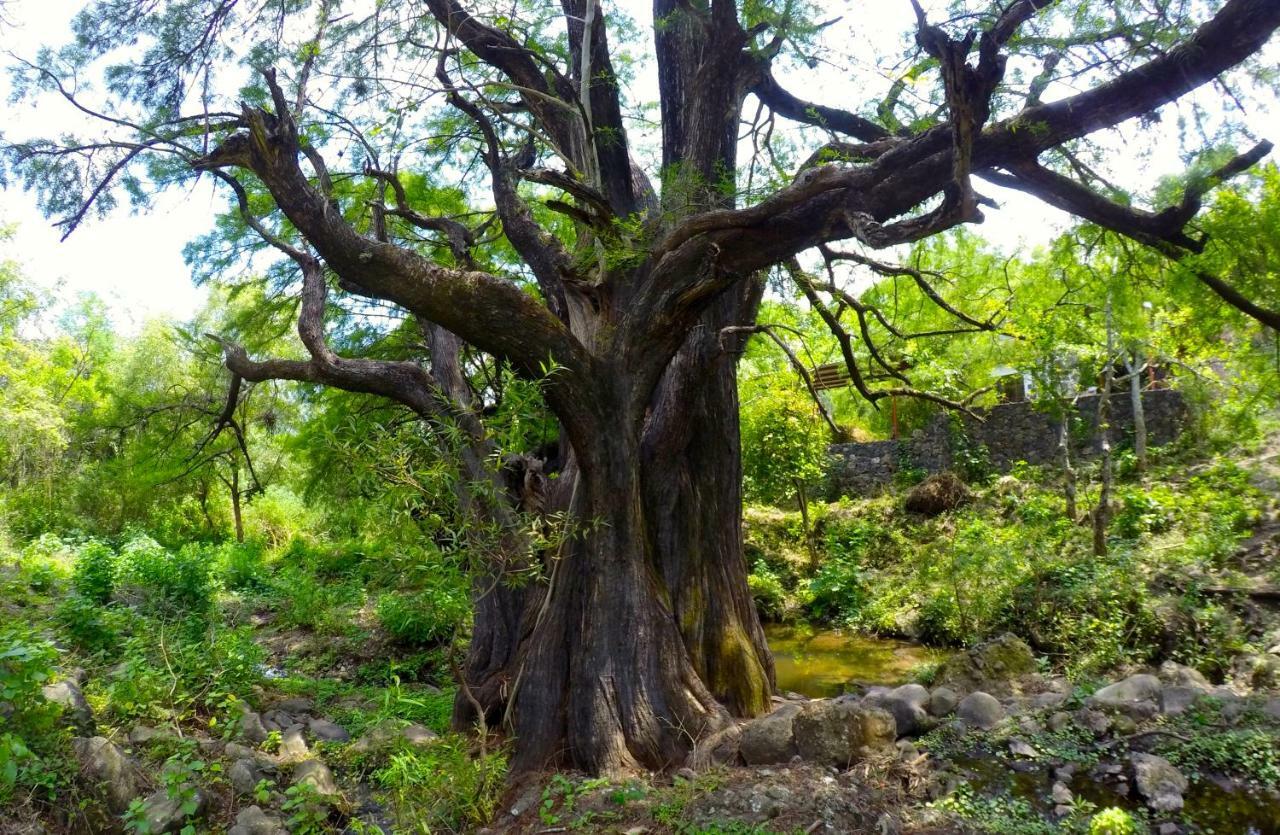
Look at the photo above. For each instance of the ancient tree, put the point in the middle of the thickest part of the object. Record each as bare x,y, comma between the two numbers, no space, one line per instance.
622,278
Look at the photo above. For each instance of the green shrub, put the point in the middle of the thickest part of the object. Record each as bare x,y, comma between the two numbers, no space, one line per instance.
768,592
837,591
305,601
94,576
28,736
183,579
441,787
424,617
87,624
1113,821
243,565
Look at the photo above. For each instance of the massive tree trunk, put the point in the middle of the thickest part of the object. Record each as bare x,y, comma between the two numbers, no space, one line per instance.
693,490
690,463
606,682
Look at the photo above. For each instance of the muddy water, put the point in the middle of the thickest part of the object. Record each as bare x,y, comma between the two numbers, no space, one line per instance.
824,662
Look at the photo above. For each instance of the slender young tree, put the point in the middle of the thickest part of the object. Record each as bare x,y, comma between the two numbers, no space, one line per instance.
618,279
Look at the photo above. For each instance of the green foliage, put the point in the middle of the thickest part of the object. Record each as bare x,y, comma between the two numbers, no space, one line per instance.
182,578
242,566
94,576
783,444
1251,754
441,787
307,810
767,591
1114,821
29,740
424,617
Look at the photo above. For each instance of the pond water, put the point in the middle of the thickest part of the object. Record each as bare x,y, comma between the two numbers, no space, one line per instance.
824,662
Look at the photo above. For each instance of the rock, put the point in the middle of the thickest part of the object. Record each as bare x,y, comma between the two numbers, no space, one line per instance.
1044,701
317,775
1173,674
1136,696
295,705
278,720
1021,748
251,726
142,734
254,821
244,775
1158,782
1061,794
942,701
417,735
937,494
1098,723
165,814
103,764
1255,672
234,751
771,738
980,710
1176,698
908,711
1272,709
68,694
916,694
836,733
326,731
1059,721
989,667
292,746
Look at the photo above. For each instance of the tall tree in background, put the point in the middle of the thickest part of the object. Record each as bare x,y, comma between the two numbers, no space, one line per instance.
621,282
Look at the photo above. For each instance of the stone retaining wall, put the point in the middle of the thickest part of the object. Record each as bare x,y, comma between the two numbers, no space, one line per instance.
1008,433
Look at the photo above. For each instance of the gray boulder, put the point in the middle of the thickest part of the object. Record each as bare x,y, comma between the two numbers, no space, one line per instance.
74,706
254,821
1173,674
326,731
1137,696
295,705
907,709
251,725
942,701
244,776
1159,783
981,710
838,733
317,775
991,667
165,814
104,765
1175,699
771,738
417,735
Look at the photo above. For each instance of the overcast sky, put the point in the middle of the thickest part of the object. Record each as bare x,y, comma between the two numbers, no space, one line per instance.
135,261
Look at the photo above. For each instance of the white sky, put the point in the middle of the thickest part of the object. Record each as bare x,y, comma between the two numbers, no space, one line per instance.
135,263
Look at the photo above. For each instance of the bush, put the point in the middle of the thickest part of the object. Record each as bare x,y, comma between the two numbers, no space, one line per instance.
425,617
1113,821
443,788
87,625
305,601
183,579
28,737
769,594
94,576
242,565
